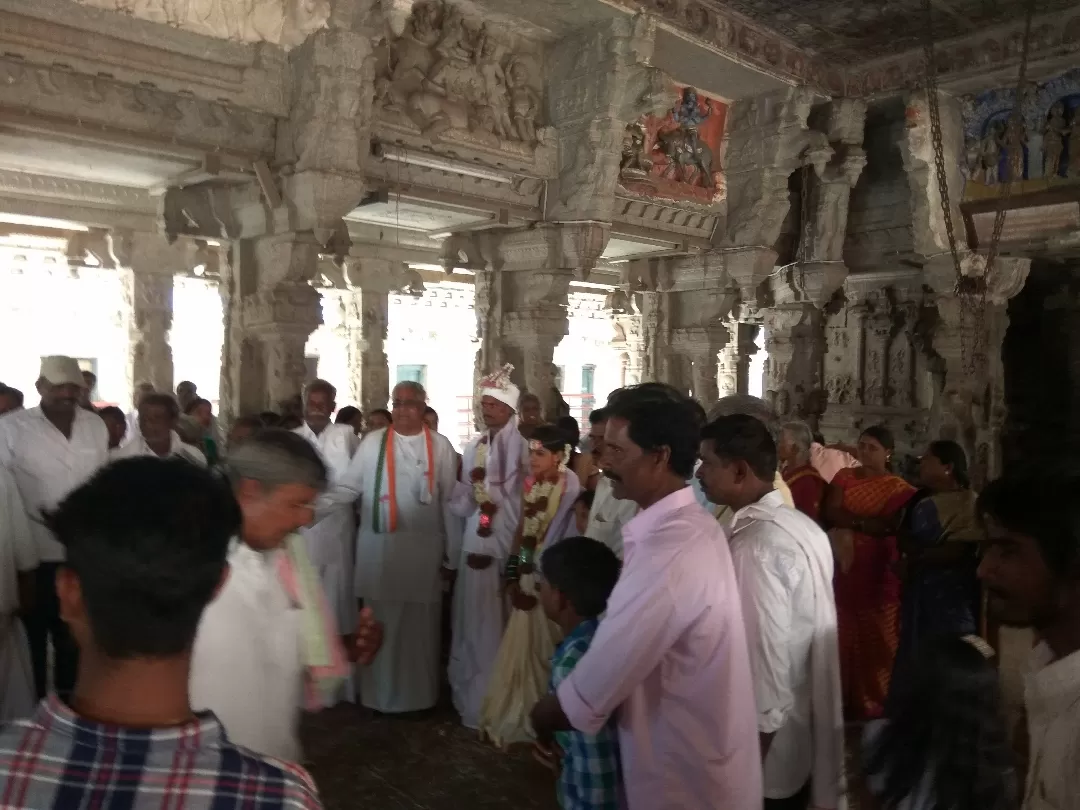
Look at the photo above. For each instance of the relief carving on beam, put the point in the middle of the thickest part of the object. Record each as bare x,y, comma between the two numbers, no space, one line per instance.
971,56
714,24
281,22
452,77
677,155
58,90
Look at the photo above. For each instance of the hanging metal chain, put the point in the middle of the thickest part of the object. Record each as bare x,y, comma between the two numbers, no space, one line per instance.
971,291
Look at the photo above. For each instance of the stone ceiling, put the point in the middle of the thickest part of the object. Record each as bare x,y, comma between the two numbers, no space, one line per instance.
854,31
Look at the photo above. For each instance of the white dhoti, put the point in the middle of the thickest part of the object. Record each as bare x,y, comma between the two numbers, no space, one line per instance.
330,549
404,677
479,620
17,698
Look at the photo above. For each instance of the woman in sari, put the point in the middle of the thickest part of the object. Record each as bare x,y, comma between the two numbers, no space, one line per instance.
523,664
939,540
863,507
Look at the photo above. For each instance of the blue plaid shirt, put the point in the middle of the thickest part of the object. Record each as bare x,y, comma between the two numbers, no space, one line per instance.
590,776
57,760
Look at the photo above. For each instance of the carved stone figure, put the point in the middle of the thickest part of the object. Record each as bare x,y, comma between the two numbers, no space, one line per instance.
495,86
1014,141
1074,144
524,102
412,53
684,151
991,154
1054,139
633,150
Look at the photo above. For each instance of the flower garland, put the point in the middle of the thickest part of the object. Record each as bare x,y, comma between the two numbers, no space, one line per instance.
478,476
541,505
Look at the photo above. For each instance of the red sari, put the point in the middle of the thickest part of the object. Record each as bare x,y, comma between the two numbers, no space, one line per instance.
807,490
868,595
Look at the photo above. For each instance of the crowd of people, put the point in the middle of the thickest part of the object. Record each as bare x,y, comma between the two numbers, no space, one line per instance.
690,611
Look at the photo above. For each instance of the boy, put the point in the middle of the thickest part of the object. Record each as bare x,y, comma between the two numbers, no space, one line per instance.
577,576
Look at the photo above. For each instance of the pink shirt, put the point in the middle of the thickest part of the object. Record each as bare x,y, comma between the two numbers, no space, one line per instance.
828,461
670,660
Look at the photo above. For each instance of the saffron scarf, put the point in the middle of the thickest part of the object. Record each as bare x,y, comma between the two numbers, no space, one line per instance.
386,462
323,654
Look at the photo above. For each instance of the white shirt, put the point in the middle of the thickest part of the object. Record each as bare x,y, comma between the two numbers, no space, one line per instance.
247,665
336,445
138,447
17,549
47,465
1052,697
608,515
784,566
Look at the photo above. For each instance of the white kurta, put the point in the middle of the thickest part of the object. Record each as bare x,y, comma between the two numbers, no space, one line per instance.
247,665
17,553
138,447
479,610
397,573
608,515
330,540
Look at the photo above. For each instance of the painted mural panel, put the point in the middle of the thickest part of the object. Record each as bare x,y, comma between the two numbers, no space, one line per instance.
677,156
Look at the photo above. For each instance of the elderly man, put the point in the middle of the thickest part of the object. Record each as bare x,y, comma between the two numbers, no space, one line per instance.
405,474
330,541
608,514
488,496
50,450
784,568
158,417
669,661
805,482
267,646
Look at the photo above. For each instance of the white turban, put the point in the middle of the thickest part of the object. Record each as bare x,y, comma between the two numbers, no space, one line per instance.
497,385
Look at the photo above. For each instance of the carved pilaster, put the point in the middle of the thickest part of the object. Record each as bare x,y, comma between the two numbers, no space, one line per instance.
366,320
149,296
734,376
795,343
971,406
699,347
629,339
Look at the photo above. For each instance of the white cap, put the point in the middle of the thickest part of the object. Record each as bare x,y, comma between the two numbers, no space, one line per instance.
60,370
497,385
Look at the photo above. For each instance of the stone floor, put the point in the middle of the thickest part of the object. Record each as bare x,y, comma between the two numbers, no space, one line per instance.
425,762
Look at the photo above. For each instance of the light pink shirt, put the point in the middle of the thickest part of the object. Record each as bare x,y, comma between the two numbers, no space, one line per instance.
828,461
670,660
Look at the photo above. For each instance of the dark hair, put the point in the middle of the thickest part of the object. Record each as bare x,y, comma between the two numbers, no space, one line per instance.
882,435
290,421
269,419
1041,503
15,394
586,498
598,415
743,438
166,401
109,412
659,416
747,405
320,385
946,720
584,570
382,412
195,403
429,410
952,454
347,414
253,422
569,425
552,437
147,539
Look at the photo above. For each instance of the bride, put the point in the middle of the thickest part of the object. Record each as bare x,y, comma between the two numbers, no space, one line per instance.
523,665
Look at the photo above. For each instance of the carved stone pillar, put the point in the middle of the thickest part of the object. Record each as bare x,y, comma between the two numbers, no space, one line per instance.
150,296
366,319
968,339
270,311
734,376
699,347
629,340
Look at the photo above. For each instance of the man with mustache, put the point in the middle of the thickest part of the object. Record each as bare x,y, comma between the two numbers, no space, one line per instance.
1031,570
50,450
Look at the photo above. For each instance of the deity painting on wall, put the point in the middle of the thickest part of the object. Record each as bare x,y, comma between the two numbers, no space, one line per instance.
677,156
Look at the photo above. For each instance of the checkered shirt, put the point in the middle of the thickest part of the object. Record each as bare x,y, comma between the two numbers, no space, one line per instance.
57,760
590,769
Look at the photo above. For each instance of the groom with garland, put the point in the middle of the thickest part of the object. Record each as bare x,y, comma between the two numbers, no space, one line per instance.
488,496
